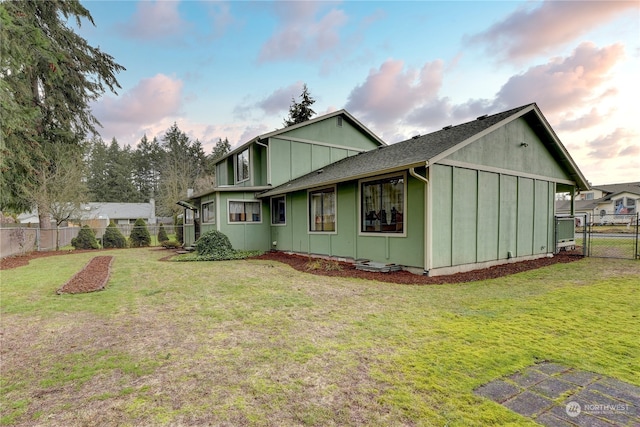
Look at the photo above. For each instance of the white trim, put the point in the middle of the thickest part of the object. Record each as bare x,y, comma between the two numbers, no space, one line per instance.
404,207
284,196
229,201
465,165
316,190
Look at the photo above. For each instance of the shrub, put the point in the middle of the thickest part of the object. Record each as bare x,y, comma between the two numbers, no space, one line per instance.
113,238
180,230
214,243
140,234
171,244
162,234
86,239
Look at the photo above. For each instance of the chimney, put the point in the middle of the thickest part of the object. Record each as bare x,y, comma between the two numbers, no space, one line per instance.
189,192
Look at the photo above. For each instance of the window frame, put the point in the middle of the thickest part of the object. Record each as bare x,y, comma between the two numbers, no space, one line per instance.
361,218
237,168
322,190
244,202
273,211
212,210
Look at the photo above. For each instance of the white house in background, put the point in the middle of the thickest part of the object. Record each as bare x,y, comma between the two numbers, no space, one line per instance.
102,213
120,213
606,204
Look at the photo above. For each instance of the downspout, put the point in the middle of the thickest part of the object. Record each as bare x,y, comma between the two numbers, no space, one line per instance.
427,227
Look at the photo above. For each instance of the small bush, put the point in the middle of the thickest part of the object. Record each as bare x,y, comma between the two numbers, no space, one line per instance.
113,238
214,243
86,239
322,264
140,234
162,234
171,244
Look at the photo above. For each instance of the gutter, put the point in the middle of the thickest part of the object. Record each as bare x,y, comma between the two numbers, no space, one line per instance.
428,257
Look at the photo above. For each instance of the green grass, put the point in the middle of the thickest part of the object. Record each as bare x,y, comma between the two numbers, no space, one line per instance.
257,343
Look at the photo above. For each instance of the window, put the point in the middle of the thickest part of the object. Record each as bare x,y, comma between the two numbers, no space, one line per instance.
242,166
244,211
588,196
322,210
209,212
278,210
382,209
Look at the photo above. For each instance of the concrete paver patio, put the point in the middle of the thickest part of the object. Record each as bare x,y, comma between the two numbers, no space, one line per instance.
554,395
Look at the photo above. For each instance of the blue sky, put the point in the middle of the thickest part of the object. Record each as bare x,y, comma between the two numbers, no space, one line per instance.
230,69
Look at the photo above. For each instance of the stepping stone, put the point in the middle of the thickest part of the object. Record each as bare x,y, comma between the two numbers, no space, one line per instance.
549,420
581,420
579,377
550,368
528,378
553,387
529,404
498,391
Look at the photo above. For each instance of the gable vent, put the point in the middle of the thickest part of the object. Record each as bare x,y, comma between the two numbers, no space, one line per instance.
339,122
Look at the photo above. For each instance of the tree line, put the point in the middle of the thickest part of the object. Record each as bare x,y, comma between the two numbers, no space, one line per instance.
162,169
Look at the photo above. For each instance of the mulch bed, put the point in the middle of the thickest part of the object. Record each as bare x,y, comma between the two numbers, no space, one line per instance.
93,277
302,263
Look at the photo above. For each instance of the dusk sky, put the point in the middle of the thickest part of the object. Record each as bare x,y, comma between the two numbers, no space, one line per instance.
230,69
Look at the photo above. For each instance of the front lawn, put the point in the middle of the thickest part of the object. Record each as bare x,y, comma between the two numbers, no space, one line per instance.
254,342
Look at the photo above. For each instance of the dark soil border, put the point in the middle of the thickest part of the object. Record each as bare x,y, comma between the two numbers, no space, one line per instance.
93,277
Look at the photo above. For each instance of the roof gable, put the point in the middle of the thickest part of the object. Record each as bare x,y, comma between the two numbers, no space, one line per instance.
427,149
291,129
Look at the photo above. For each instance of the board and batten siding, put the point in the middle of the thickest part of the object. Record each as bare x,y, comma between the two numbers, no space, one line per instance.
481,216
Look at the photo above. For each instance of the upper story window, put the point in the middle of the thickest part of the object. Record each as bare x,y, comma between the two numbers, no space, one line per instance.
242,166
209,212
322,210
240,211
383,205
278,210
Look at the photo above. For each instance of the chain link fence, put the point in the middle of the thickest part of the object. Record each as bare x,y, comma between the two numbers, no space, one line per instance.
615,236
18,239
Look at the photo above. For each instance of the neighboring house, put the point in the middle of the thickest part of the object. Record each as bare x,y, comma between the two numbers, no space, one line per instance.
119,213
462,198
606,204
102,213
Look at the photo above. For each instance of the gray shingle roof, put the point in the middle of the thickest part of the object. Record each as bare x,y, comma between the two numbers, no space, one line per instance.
613,189
412,152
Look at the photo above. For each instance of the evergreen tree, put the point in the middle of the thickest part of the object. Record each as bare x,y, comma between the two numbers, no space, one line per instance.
139,236
162,234
113,238
49,78
86,239
147,162
300,111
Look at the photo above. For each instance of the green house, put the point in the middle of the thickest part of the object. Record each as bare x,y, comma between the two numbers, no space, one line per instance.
465,197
